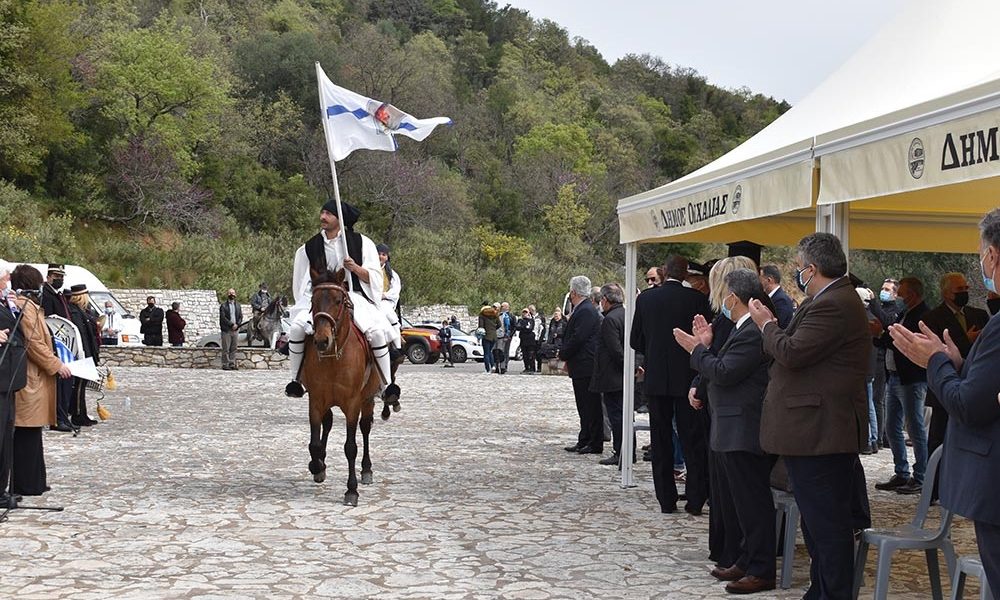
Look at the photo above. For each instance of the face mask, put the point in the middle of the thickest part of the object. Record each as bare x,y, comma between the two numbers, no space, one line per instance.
961,299
151,304
987,281
108,310
726,312
885,296
232,296
798,279
57,283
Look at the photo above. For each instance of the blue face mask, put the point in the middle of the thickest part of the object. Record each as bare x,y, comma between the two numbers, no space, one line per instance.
885,296
725,309
987,281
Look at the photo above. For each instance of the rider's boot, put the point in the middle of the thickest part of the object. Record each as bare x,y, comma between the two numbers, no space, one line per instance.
296,350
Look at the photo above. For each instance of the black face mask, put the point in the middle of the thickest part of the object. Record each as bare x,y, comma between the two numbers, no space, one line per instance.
961,299
232,297
994,305
57,283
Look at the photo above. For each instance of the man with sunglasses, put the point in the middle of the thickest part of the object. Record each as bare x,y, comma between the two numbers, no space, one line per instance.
653,278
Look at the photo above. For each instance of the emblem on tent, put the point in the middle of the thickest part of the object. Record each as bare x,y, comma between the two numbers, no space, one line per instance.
737,198
915,158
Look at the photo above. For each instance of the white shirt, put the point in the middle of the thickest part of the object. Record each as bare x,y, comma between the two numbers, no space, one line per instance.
772,292
742,320
302,281
395,286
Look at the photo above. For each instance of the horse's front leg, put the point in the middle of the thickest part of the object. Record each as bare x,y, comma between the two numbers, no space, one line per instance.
317,445
366,428
351,452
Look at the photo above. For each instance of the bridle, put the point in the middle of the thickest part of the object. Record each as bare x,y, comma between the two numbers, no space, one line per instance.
338,351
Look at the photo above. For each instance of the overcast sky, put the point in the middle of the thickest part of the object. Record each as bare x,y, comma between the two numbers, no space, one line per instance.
781,48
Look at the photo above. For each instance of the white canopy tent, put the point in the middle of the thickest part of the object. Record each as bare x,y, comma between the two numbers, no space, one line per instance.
904,133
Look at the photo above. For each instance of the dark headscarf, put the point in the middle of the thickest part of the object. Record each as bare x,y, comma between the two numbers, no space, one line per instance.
384,249
351,214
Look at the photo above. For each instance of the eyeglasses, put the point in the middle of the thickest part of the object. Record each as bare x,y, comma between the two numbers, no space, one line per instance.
651,280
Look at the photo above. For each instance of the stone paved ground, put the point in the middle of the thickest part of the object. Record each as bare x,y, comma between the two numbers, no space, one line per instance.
200,490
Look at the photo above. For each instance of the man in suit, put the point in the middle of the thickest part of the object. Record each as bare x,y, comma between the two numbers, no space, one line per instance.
906,388
770,278
230,317
815,413
609,363
737,381
668,376
963,324
13,376
578,347
968,389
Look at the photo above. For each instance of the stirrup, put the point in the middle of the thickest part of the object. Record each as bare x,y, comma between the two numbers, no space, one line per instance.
294,390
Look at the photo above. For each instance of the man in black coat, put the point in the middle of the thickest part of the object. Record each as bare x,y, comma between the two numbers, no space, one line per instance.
609,363
54,302
906,390
667,379
770,278
151,323
963,324
13,376
578,347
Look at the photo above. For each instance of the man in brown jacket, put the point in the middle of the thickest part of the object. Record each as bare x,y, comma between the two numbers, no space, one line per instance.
815,412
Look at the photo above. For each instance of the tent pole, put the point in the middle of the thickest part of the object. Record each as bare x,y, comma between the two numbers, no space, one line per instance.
835,219
628,376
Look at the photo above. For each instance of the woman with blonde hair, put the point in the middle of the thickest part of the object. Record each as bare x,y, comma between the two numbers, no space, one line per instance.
723,542
35,403
85,319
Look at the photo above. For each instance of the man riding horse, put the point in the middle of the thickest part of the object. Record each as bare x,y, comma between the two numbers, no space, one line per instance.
325,251
258,302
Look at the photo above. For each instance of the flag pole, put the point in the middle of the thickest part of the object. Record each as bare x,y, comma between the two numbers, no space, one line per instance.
333,172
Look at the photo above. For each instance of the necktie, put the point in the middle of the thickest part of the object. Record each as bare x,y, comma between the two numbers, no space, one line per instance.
960,316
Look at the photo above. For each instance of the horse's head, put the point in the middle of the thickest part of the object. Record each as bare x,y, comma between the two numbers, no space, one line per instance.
331,311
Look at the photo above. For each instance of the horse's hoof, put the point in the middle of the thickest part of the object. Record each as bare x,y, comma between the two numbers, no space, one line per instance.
396,407
366,477
351,499
320,477
385,413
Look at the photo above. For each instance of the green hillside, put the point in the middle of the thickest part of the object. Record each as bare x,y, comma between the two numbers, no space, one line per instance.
178,143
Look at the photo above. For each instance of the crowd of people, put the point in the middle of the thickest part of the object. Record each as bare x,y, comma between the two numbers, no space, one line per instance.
762,391
538,339
41,391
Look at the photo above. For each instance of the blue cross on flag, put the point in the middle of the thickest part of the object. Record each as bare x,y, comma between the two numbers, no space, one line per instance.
352,121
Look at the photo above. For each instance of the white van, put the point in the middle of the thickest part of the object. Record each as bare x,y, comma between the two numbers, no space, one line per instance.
125,322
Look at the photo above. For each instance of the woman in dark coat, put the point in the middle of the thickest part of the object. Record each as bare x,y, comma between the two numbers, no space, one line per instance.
85,319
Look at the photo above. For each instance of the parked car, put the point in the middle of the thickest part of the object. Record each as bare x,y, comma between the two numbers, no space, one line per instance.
214,340
464,346
420,344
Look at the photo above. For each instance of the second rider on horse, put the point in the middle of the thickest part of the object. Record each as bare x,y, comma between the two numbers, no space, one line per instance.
323,251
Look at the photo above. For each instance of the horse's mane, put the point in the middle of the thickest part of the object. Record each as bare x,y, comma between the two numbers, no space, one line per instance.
328,276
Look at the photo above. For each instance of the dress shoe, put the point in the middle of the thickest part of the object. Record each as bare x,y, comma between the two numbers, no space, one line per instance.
61,427
894,482
732,573
83,421
573,448
589,450
694,512
668,510
867,450
749,584
611,460
910,488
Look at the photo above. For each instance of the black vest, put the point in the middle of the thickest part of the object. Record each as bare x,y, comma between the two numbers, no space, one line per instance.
316,252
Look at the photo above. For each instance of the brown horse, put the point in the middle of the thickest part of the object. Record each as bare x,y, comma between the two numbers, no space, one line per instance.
337,370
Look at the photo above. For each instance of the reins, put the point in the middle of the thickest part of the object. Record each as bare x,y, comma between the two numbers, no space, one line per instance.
338,351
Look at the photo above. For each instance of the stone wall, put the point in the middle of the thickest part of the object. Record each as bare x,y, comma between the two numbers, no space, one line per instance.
189,358
199,308
436,313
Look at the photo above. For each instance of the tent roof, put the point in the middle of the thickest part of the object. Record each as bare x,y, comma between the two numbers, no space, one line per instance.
935,62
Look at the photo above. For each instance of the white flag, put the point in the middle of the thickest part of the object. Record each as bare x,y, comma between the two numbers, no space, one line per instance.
352,121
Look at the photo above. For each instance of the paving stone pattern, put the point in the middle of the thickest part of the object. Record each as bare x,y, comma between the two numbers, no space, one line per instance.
199,489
